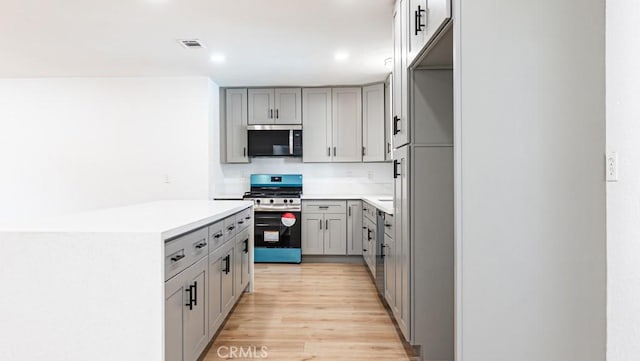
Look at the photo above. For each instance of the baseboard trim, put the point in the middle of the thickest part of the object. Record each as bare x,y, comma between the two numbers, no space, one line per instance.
333,259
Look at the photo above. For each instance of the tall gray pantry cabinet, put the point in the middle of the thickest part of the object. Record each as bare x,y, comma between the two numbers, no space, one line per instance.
420,271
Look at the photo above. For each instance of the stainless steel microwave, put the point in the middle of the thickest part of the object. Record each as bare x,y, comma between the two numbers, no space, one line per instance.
275,140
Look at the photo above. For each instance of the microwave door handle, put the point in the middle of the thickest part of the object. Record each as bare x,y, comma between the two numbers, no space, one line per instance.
290,141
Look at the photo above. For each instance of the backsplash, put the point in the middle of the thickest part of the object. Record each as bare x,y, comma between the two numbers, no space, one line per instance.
318,178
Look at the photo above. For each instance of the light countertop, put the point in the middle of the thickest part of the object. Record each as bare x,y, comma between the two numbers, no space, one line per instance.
168,218
382,202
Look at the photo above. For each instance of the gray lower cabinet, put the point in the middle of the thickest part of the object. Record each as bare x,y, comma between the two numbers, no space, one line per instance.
390,265
324,228
241,265
206,271
324,234
369,243
354,228
186,313
424,245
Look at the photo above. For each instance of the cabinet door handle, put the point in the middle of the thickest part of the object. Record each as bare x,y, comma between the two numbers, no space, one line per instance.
195,293
329,151
334,151
321,224
388,147
226,265
244,151
364,151
382,250
326,224
277,114
418,20
396,122
176,258
190,291
349,211
246,246
270,113
395,169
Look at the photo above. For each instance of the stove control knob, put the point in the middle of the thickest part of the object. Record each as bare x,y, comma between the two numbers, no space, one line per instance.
271,201
258,201
285,201
290,200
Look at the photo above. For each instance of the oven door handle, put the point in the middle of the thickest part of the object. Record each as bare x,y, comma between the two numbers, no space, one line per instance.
263,225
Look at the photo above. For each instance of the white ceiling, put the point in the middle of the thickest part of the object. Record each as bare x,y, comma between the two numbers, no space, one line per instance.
266,42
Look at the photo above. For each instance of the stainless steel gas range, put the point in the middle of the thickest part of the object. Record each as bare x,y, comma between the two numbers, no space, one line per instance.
277,206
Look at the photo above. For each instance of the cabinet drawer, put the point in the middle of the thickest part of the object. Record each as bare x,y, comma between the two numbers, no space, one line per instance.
388,225
183,251
369,211
243,219
230,227
216,235
324,206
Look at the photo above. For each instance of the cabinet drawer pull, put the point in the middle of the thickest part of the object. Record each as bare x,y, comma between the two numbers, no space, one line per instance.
202,244
240,222
323,207
231,228
247,218
217,235
388,225
176,258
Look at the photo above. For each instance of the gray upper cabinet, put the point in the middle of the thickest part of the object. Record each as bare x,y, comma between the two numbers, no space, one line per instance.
347,125
400,120
426,19
288,106
373,123
388,115
261,106
236,125
275,106
317,134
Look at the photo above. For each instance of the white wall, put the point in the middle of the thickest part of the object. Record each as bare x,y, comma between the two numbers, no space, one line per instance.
77,144
318,178
623,197
530,124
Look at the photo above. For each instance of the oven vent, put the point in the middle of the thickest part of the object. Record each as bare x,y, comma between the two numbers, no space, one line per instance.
191,43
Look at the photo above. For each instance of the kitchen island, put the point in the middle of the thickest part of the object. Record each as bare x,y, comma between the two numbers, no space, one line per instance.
92,285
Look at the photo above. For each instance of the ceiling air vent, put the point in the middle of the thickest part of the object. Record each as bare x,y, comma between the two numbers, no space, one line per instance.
191,43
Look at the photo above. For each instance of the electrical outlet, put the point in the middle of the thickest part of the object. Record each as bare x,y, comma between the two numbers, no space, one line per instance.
612,167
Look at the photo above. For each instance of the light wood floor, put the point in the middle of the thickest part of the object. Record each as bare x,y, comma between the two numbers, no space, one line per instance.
317,311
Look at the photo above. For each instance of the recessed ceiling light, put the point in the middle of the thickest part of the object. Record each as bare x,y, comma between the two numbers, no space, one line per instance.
218,58
341,56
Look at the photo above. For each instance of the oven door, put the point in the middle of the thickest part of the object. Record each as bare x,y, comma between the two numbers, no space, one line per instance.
279,229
